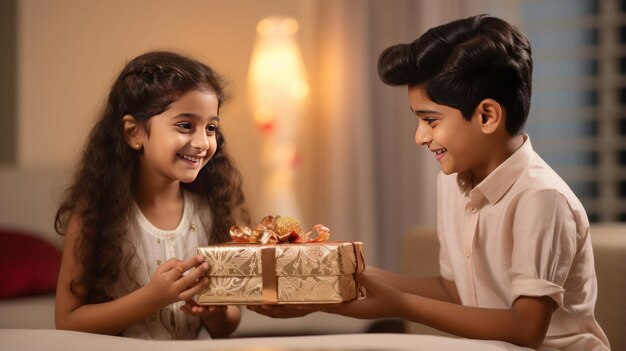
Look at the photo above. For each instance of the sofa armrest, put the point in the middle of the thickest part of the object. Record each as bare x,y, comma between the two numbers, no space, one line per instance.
419,257
609,248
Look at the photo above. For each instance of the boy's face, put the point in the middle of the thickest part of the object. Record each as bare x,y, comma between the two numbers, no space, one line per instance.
455,142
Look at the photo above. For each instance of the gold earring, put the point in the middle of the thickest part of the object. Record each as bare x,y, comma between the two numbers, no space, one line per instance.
138,146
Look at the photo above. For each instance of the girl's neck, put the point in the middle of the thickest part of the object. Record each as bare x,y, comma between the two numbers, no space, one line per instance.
148,192
160,202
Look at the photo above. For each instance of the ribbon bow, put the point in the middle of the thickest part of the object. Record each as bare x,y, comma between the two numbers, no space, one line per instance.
272,230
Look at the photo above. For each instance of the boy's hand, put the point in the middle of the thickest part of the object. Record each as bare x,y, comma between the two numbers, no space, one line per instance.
282,311
177,280
381,301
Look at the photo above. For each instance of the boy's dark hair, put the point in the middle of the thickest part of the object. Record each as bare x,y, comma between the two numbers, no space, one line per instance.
463,62
101,191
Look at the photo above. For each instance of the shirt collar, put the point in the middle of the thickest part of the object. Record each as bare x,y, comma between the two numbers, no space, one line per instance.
498,182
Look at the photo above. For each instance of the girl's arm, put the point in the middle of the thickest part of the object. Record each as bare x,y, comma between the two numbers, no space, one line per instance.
165,287
219,320
524,324
224,323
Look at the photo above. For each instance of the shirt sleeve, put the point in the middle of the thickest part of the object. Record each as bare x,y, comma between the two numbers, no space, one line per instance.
544,245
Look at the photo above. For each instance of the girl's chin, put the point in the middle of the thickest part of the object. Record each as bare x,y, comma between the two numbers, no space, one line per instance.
188,179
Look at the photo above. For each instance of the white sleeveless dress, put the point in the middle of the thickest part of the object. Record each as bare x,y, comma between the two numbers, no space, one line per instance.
154,246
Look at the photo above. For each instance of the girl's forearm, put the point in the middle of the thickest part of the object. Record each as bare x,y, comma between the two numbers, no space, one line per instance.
224,324
111,317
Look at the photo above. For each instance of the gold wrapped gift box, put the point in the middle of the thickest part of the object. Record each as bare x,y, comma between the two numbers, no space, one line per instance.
284,273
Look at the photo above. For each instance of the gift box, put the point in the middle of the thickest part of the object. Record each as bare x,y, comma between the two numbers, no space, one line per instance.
299,270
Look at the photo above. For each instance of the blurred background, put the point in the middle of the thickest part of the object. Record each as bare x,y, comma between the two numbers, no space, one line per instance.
351,162
314,132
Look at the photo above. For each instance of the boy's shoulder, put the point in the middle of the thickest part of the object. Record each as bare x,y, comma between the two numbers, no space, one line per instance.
540,184
533,180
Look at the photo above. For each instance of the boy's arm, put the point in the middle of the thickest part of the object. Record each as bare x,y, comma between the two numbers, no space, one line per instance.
436,288
113,317
525,324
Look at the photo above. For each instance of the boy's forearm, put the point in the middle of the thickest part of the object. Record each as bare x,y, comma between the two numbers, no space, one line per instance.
110,318
525,324
430,287
224,324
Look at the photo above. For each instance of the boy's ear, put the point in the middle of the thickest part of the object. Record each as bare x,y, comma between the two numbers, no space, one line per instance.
490,116
133,132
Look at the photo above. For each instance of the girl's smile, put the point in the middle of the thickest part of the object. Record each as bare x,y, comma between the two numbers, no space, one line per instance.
194,161
181,140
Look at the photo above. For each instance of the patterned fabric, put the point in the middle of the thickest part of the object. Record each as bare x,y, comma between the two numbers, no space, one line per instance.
154,246
305,273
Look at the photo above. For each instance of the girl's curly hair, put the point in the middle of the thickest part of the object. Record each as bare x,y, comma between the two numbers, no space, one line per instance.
100,194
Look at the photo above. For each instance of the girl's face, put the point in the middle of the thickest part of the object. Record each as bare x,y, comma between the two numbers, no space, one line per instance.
454,141
180,141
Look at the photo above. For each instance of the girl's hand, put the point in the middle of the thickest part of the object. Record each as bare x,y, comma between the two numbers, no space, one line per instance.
191,307
170,283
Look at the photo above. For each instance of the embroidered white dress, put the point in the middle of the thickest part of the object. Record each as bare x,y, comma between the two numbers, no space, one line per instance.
154,246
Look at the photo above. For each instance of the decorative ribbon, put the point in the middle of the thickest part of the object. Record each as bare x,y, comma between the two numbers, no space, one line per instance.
359,256
272,230
269,280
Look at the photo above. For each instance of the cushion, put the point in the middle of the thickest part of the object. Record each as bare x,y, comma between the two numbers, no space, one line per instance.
28,265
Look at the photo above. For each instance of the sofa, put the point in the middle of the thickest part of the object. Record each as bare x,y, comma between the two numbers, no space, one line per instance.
420,257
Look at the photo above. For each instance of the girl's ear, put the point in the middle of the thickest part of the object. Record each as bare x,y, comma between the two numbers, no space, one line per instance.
133,132
489,115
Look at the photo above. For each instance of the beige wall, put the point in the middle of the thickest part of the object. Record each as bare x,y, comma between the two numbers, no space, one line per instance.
69,52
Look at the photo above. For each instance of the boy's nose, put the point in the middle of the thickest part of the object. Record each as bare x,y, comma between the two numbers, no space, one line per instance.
423,134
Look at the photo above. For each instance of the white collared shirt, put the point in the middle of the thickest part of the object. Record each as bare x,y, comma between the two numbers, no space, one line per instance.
521,232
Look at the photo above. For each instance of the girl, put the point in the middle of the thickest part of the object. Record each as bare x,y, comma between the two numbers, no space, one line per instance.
154,183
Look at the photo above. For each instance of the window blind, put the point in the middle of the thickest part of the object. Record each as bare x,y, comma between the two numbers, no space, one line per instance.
577,121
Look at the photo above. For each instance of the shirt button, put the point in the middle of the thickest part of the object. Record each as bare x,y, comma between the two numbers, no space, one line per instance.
467,254
473,209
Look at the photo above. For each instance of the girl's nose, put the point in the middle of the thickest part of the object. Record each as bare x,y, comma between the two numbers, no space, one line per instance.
423,134
200,140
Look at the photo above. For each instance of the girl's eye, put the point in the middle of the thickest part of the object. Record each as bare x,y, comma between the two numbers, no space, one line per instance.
184,125
211,128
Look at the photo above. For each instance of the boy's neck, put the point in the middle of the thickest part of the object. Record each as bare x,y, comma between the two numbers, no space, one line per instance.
501,152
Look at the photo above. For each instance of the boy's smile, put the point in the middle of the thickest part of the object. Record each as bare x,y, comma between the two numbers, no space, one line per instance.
454,141
439,153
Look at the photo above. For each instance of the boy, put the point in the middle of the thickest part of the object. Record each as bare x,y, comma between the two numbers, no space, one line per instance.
516,259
